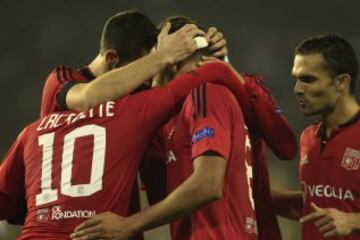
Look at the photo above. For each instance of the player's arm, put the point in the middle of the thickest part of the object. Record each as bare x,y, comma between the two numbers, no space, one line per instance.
262,114
214,72
270,123
119,82
332,222
12,180
158,103
203,186
288,204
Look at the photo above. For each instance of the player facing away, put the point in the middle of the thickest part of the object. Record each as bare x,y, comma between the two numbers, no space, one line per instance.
208,170
72,166
325,69
267,125
126,36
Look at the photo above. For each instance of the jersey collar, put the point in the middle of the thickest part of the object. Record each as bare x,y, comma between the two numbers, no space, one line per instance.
87,74
352,120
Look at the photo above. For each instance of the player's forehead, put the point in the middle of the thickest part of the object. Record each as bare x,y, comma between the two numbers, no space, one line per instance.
308,64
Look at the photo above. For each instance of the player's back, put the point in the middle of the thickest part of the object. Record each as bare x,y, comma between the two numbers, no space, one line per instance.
81,164
211,121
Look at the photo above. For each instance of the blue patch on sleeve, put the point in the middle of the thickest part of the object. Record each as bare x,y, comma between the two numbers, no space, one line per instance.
203,133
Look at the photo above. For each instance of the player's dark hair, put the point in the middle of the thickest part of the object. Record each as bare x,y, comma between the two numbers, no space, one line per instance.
178,22
130,34
338,53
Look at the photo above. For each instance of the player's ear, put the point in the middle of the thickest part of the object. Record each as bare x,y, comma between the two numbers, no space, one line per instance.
111,58
342,82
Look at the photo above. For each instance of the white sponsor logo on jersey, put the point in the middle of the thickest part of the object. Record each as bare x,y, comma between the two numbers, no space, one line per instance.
58,214
328,191
351,159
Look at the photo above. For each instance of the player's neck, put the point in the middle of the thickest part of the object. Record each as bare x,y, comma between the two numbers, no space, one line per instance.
346,109
98,66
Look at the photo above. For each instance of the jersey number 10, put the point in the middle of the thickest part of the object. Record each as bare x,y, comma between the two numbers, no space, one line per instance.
48,194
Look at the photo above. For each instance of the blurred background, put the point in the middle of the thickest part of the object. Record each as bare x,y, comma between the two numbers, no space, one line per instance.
35,36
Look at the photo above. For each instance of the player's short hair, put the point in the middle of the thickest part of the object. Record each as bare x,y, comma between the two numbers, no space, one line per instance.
338,53
130,34
178,22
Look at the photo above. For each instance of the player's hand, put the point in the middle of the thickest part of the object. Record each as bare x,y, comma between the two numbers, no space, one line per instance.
103,226
217,43
330,221
179,45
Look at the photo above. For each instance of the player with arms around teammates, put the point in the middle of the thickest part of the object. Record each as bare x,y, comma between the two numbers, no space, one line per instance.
110,75
42,162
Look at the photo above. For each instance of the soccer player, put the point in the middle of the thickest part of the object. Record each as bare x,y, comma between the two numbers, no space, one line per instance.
266,124
325,69
127,36
68,163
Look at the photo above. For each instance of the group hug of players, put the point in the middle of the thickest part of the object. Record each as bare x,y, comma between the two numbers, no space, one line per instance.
162,103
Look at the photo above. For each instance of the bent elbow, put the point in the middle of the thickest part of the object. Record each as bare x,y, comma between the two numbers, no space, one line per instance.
284,149
81,107
286,153
211,192
86,102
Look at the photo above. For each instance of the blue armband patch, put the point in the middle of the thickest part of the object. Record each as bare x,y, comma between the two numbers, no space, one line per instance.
203,133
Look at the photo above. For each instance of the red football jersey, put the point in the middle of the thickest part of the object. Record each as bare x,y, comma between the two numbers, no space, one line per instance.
75,165
330,171
211,121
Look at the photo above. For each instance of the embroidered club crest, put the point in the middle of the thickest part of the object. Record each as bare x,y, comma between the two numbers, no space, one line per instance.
351,159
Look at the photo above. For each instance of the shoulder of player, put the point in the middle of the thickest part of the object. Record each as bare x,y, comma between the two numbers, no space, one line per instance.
207,98
219,94
309,132
65,74
217,89
24,132
210,89
213,67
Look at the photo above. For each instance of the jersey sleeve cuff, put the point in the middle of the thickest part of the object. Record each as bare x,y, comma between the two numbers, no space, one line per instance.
61,97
